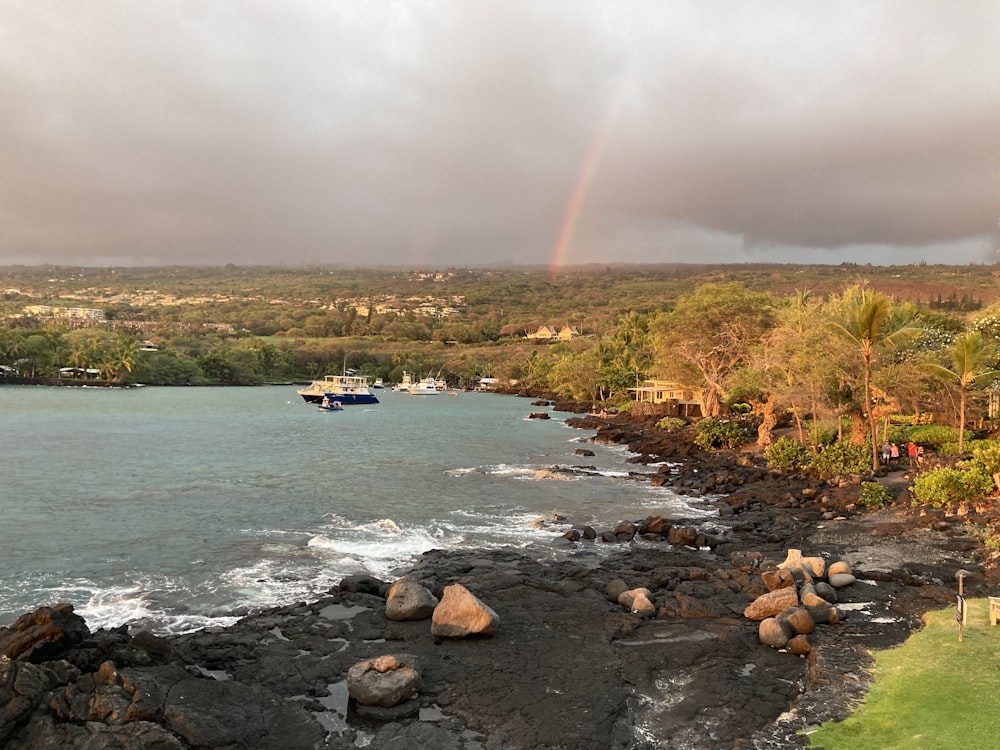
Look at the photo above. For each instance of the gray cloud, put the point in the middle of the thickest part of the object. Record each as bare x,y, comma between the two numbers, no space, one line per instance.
460,131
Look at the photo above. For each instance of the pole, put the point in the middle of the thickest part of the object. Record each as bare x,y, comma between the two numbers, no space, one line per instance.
960,612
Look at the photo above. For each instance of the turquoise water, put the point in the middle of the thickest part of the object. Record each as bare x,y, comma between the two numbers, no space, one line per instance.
175,507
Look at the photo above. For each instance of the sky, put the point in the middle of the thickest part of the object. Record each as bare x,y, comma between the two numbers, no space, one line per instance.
444,133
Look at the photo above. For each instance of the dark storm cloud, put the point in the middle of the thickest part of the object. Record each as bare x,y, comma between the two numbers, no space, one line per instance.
451,132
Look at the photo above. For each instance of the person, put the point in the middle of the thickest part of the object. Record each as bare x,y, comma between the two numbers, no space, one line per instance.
604,413
911,452
894,453
886,452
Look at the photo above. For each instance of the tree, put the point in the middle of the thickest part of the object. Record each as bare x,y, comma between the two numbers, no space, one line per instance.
867,322
708,336
968,355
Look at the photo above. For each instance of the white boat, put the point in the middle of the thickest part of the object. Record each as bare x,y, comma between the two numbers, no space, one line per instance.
406,383
347,389
428,387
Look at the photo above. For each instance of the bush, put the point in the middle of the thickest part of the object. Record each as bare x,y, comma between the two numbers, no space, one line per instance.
787,453
933,434
874,495
987,453
671,424
715,433
842,458
943,487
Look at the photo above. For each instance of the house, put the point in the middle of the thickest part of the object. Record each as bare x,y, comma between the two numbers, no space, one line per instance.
679,399
544,333
550,333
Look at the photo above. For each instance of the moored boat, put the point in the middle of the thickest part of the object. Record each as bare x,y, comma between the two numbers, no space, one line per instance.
427,387
328,404
347,389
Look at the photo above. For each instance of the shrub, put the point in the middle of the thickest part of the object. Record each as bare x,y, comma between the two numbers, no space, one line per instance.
671,424
787,453
942,487
715,433
842,458
874,495
933,434
824,433
987,453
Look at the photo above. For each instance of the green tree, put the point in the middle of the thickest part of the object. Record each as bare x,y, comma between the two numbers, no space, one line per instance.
969,355
867,322
708,336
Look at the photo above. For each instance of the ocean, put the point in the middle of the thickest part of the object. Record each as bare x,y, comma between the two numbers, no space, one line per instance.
177,508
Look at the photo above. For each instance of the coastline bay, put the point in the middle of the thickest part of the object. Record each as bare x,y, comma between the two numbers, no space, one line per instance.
179,507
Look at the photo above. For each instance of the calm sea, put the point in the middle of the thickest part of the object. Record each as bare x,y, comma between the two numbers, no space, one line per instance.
174,507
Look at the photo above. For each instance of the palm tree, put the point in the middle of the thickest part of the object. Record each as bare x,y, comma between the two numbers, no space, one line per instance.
968,353
868,323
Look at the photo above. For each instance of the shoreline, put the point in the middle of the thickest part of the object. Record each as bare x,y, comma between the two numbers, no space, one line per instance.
567,666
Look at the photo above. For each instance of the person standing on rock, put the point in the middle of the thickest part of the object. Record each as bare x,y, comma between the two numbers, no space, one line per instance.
894,453
886,453
911,451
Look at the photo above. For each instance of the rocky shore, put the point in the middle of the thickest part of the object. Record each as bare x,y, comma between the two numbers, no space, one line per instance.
565,665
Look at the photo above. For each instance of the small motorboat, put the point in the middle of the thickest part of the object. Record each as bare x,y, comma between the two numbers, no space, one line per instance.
329,404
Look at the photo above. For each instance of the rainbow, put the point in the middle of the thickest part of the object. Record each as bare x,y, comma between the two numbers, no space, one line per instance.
584,179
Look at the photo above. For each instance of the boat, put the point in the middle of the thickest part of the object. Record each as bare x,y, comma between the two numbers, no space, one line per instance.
378,383
347,389
406,383
429,386
328,404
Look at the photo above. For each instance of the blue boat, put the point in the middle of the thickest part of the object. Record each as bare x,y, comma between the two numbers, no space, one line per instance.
347,389
328,404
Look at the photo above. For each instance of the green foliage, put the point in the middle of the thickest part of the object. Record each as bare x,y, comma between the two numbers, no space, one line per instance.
787,453
874,495
944,487
933,434
714,433
841,458
671,424
987,453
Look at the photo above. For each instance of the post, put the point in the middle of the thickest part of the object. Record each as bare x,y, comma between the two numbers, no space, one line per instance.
960,611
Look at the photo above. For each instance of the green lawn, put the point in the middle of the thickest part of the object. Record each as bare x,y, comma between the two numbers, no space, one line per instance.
931,693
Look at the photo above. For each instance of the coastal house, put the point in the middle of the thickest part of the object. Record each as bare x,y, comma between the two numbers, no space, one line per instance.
550,333
678,399
544,333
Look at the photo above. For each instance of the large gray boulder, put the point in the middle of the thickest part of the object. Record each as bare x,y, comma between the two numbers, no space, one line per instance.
407,599
384,681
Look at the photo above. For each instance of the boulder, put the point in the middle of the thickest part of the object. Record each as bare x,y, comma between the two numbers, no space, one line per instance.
778,578
407,599
384,681
638,602
460,614
838,567
814,566
798,645
798,619
773,632
792,558
615,588
840,580
826,591
771,603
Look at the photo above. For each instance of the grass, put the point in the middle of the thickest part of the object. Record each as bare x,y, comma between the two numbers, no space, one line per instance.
931,693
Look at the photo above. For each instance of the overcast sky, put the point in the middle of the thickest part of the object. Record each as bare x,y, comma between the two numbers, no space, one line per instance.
460,132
